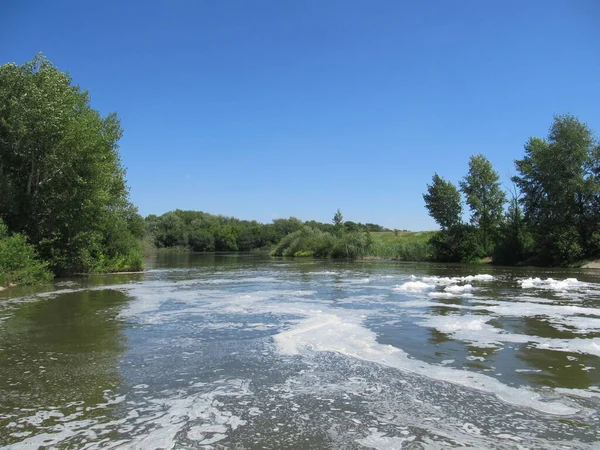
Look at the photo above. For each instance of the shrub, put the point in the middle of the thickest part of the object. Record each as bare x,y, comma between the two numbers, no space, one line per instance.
19,262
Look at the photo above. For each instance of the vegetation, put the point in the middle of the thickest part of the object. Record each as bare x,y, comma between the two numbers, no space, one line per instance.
553,218
340,242
19,262
402,245
62,183
203,232
442,200
485,198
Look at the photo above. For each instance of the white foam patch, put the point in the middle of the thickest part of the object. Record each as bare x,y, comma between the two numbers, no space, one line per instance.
458,289
449,295
592,392
454,280
475,330
551,284
329,332
380,441
166,416
414,286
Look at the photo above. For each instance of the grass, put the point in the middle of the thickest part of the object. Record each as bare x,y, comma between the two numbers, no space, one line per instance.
402,245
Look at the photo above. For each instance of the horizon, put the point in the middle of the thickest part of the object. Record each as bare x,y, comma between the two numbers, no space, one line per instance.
267,110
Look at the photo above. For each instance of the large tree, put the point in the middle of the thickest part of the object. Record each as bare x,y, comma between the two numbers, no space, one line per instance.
443,202
485,198
559,178
61,180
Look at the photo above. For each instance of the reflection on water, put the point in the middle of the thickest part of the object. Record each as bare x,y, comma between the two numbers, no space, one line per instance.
240,351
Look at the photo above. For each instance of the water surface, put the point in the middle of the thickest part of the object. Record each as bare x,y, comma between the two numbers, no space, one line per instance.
236,351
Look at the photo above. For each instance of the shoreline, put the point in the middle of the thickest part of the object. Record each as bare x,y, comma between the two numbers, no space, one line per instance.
10,285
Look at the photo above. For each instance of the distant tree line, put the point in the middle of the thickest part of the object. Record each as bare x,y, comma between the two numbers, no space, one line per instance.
552,215
203,232
64,204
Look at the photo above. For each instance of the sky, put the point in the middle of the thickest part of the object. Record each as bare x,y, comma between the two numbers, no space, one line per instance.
266,109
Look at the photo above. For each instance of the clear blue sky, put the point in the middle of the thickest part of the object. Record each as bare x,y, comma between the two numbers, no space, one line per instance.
263,109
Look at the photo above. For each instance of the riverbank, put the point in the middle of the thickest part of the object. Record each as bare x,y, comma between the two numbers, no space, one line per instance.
4,288
593,264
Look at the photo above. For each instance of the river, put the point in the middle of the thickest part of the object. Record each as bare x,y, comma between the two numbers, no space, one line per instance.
244,352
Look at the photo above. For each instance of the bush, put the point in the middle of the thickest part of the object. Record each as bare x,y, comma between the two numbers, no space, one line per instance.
19,262
459,243
310,241
303,242
352,245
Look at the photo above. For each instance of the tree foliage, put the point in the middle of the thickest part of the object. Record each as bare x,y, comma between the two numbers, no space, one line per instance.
338,218
443,202
553,217
485,198
559,178
61,177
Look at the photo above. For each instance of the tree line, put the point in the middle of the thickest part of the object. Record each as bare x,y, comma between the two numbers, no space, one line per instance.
550,217
204,232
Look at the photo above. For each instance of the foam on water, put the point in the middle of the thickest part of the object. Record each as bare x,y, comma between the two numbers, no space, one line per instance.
551,284
153,423
312,336
478,332
458,289
453,280
414,286
329,332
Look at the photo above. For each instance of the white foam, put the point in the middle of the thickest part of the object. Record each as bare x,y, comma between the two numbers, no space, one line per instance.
449,295
167,417
454,280
380,441
475,330
329,332
458,289
414,286
550,283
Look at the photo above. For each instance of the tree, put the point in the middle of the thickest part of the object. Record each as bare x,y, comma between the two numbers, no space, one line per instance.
62,182
514,243
443,202
485,198
338,218
559,178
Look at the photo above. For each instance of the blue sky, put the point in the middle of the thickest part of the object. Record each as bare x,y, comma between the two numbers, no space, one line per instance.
265,109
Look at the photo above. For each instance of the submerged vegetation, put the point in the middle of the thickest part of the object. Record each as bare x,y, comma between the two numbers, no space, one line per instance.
64,199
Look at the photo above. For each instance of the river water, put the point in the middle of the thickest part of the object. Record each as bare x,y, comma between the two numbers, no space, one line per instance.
244,352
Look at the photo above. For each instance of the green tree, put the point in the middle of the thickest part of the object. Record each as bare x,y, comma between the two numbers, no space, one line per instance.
514,242
338,218
559,178
443,203
61,177
485,198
